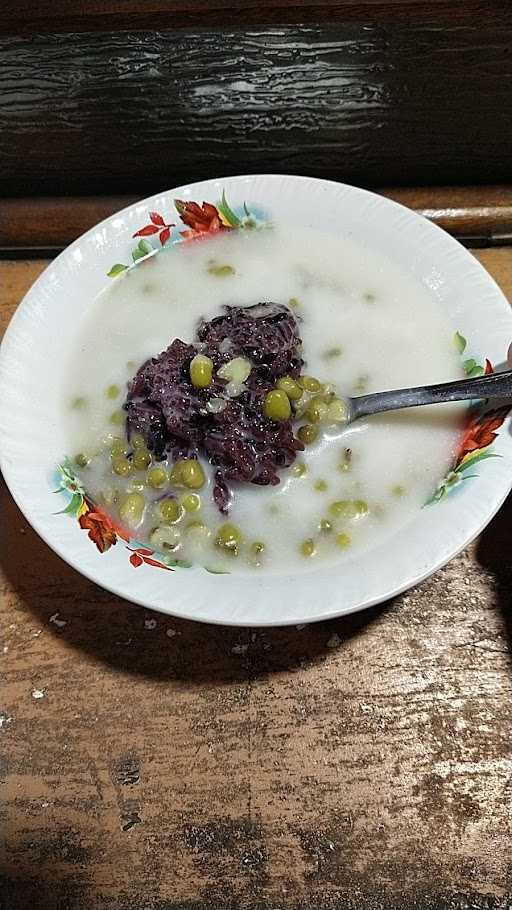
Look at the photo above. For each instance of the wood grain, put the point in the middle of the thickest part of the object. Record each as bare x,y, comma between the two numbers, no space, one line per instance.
466,212
483,213
375,105
69,15
363,764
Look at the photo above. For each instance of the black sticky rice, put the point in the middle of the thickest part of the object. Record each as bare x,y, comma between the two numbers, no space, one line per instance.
173,417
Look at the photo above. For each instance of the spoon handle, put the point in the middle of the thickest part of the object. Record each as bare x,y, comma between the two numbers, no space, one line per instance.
495,385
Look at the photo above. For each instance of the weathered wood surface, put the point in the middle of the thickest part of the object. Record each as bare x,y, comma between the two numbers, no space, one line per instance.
54,222
82,15
153,764
400,102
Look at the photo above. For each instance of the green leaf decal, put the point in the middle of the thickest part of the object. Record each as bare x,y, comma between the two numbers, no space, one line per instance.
460,342
142,249
228,212
473,459
472,368
73,505
437,496
116,270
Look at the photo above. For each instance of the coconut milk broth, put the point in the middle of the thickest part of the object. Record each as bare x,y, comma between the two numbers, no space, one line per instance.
390,332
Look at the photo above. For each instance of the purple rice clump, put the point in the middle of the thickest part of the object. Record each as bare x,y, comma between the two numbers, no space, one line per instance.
173,416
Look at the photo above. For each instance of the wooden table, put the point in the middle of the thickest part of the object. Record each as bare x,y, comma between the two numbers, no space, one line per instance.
153,764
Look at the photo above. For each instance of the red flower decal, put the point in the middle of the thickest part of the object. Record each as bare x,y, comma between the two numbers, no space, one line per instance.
141,555
146,231
102,530
104,533
481,431
157,226
201,219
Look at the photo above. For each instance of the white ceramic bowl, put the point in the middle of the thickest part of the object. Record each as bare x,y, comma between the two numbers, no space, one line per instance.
32,439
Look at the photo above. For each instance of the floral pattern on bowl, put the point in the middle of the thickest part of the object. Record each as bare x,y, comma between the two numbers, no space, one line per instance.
101,529
200,221
479,432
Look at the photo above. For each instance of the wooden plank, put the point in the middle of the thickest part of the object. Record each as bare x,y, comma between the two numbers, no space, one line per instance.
122,15
466,212
361,764
15,280
104,112
55,221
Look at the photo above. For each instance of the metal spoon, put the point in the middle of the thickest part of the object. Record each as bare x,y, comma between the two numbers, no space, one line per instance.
495,385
